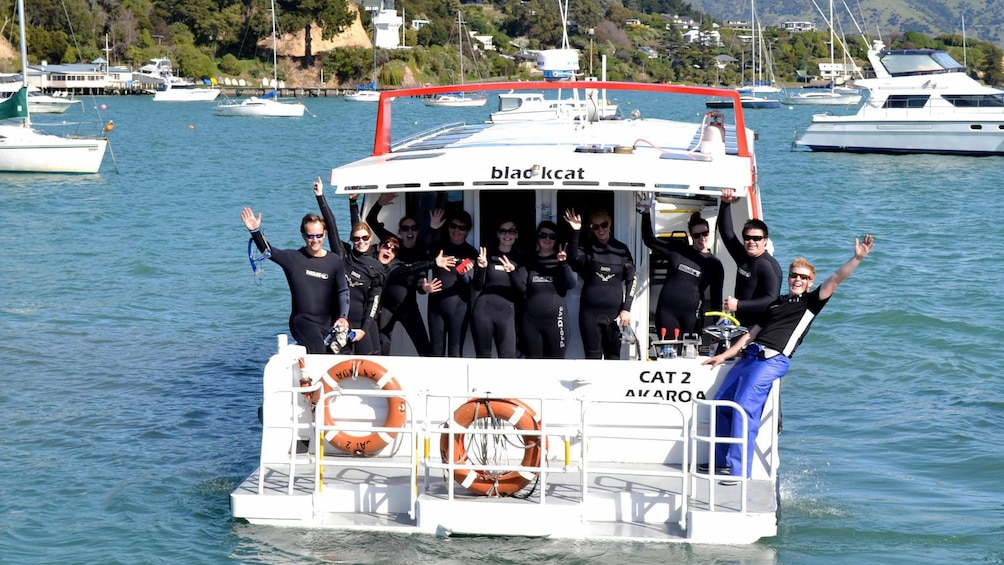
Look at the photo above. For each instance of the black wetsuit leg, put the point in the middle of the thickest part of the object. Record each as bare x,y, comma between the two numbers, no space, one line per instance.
448,319
601,337
494,319
309,333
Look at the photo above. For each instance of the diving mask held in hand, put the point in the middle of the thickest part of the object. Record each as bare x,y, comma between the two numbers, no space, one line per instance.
338,337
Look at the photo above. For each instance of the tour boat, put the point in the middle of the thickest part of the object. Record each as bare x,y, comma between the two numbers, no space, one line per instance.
568,448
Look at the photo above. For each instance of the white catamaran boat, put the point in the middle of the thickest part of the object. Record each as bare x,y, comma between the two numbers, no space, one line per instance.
562,448
267,105
24,149
920,101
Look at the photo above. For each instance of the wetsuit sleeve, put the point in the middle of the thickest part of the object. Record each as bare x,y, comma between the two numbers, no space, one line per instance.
732,243
260,241
769,280
714,279
480,275
518,278
354,212
576,255
334,241
630,281
654,243
570,280
342,299
373,298
373,219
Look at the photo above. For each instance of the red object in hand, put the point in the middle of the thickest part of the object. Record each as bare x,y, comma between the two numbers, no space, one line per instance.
464,266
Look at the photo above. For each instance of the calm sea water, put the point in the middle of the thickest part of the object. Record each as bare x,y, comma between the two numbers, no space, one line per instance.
132,336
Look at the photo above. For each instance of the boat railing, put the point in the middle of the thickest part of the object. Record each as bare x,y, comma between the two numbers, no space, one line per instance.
273,423
706,411
666,426
405,435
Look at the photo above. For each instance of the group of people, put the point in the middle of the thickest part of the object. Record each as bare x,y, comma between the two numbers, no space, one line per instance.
370,284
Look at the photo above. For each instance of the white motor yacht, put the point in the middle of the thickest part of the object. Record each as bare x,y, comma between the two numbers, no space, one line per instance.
920,101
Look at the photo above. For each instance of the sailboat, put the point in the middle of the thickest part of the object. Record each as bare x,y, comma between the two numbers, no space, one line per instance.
750,95
367,92
458,99
24,149
268,105
829,96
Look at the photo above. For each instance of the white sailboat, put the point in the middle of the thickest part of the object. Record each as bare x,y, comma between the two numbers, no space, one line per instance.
458,99
368,92
268,105
825,96
24,149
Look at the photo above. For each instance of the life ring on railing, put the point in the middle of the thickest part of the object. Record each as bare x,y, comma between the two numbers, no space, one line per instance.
492,483
396,409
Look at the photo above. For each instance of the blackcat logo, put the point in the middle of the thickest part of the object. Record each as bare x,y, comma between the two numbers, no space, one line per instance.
545,173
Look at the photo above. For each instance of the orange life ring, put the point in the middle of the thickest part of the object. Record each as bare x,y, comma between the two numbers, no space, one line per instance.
486,483
396,408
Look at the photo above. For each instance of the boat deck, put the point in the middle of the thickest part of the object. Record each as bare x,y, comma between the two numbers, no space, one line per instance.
620,501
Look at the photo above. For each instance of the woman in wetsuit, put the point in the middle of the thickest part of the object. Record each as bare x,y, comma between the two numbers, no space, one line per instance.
449,309
364,275
544,280
494,315
608,285
399,301
689,275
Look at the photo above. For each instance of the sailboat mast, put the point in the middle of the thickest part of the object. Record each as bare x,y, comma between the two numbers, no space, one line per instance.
275,56
460,42
24,55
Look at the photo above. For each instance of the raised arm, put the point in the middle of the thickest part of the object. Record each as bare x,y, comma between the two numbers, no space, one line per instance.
729,238
861,250
373,216
334,241
253,224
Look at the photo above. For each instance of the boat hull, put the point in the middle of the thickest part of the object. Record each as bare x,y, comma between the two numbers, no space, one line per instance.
258,108
24,150
963,137
822,99
177,94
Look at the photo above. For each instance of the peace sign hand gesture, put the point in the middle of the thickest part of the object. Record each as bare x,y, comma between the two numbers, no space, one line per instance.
562,255
483,258
507,265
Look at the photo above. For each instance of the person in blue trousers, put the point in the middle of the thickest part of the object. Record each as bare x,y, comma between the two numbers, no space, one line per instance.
766,354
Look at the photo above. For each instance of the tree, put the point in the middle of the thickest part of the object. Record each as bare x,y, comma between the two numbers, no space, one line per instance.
333,16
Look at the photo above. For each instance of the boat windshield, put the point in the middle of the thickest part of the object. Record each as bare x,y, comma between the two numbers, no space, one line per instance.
919,62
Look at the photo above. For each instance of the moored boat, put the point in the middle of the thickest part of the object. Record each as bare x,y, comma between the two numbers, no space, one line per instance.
564,448
920,101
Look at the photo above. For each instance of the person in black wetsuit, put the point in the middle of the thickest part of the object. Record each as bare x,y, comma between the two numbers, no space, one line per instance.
399,302
494,315
449,310
544,280
364,274
758,276
316,280
689,275
609,284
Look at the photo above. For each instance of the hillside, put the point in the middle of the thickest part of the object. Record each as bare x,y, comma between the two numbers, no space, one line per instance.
984,18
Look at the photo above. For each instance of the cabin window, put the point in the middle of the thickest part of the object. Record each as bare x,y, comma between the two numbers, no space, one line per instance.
975,101
906,101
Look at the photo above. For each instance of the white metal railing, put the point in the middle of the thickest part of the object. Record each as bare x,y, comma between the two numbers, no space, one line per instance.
712,440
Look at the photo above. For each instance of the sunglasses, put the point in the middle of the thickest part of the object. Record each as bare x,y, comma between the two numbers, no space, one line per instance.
753,237
697,234
390,246
357,238
509,231
459,227
599,226
313,235
799,276
409,227
547,235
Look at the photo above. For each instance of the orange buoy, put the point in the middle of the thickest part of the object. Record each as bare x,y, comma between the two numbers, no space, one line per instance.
396,409
493,483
